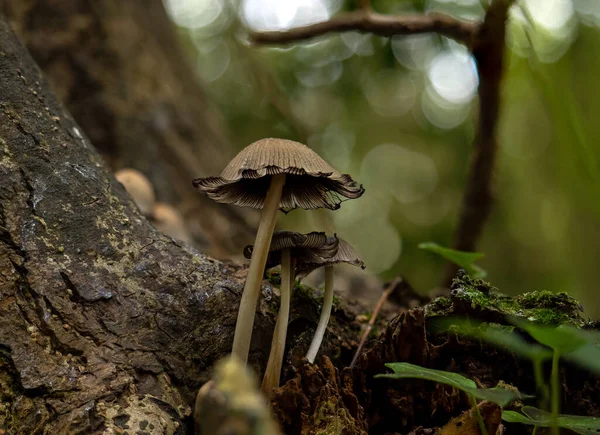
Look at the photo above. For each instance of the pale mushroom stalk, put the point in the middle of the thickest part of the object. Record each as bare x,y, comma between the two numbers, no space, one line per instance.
273,370
286,246
327,259
245,319
324,319
255,178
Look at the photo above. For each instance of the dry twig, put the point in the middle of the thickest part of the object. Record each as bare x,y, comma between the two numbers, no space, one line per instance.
382,25
384,296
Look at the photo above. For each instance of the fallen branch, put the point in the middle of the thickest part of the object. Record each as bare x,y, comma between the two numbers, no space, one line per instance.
377,24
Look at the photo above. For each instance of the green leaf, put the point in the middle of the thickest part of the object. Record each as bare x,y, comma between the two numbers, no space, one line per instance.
539,416
515,417
515,343
534,416
497,335
562,339
460,258
587,357
405,370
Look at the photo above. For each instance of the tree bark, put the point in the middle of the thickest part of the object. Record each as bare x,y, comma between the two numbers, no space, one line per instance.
105,324
118,67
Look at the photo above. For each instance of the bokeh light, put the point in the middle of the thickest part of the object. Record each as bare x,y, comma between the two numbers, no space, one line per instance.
408,176
414,51
453,76
262,15
194,14
400,115
390,92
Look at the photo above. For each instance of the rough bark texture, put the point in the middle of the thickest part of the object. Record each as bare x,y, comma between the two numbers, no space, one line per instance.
119,69
105,324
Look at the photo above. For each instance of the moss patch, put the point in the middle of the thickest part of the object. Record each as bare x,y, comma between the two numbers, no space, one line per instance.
479,297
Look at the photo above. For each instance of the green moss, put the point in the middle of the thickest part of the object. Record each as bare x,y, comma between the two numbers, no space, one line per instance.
332,419
540,306
274,278
440,306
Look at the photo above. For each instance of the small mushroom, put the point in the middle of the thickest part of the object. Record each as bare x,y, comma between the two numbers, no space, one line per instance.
169,221
139,188
285,247
345,254
270,174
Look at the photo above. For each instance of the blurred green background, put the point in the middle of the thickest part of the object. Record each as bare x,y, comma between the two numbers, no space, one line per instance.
399,116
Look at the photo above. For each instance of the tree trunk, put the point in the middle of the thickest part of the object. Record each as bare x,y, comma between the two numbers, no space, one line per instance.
118,67
105,324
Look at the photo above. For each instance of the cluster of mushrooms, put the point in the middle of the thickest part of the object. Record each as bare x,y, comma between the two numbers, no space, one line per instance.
164,217
273,174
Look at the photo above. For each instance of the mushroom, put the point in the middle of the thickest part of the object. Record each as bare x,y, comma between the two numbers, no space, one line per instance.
139,188
285,247
169,221
345,254
270,174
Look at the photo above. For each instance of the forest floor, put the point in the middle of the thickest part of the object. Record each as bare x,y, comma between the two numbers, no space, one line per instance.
332,398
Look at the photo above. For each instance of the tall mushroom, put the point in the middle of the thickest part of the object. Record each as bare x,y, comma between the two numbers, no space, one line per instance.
272,174
345,254
285,247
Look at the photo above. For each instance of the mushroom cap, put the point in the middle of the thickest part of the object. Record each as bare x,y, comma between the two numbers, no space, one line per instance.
138,187
169,221
310,183
314,245
345,254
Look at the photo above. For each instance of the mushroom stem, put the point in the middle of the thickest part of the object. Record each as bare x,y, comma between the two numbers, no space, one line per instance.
245,319
273,371
324,319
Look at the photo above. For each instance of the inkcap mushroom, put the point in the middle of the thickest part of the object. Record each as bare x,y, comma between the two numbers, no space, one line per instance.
271,174
315,260
139,188
285,247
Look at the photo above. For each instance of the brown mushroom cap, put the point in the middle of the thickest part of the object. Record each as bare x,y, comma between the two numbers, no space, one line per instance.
345,254
139,188
169,221
310,181
314,245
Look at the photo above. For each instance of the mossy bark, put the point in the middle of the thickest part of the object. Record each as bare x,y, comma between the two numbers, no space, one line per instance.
105,324
326,399
119,68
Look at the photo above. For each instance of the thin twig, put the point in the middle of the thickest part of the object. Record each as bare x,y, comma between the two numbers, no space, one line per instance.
384,296
488,51
377,24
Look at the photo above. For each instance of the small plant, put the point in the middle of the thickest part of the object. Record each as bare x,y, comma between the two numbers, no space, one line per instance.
497,395
564,341
462,259
537,417
504,336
